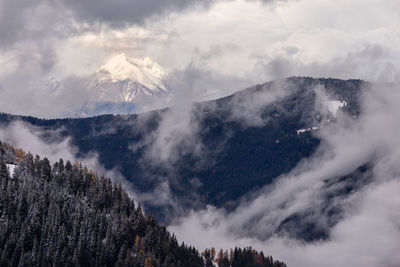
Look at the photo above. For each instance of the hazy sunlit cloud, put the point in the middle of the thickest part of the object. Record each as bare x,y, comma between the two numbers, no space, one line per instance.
251,41
213,48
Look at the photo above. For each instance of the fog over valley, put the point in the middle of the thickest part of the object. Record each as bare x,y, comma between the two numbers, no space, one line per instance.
199,133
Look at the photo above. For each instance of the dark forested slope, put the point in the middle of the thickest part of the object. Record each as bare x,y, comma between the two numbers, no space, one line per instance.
65,215
237,156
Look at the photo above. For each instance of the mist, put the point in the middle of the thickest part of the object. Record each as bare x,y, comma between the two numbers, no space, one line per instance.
213,48
368,226
366,235
31,139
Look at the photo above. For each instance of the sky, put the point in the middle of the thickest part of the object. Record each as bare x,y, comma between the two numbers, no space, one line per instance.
214,47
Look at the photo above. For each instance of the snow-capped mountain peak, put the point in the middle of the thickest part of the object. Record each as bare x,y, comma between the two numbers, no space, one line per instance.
129,78
122,67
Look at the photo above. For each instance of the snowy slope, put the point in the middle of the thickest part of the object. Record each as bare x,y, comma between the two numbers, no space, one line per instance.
11,168
127,79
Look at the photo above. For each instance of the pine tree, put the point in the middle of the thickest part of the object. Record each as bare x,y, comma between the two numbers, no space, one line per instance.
57,215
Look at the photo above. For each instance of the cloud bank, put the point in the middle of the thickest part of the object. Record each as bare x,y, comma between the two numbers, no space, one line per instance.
31,139
59,42
368,233
214,48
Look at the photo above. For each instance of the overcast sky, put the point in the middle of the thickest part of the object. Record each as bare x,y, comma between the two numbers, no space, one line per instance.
229,44
214,47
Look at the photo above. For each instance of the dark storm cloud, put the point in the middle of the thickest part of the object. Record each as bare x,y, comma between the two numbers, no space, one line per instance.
125,12
25,20
19,18
12,19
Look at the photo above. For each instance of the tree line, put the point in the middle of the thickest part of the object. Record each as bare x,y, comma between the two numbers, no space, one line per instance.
63,214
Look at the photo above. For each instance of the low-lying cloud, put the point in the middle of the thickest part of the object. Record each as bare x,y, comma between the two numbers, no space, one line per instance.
368,233
315,37
31,139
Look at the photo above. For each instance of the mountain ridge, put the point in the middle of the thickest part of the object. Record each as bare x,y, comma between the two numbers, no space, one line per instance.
127,79
66,215
235,165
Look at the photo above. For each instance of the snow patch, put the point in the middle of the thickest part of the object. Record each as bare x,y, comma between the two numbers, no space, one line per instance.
11,168
300,131
335,105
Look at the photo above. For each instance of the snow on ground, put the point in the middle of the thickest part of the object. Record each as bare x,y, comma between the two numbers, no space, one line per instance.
334,106
300,131
11,168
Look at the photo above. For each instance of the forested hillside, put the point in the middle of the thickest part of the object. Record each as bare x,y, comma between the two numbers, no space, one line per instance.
237,154
66,215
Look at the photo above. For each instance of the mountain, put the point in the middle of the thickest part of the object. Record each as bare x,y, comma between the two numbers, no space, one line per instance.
126,85
65,215
127,79
229,148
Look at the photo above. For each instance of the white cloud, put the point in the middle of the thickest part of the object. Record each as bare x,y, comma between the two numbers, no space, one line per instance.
369,232
215,51
247,41
30,139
